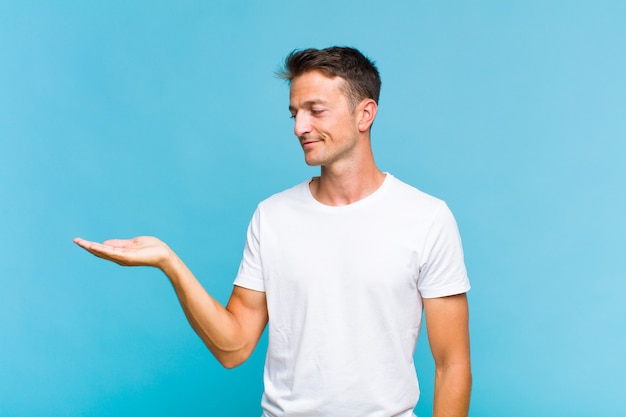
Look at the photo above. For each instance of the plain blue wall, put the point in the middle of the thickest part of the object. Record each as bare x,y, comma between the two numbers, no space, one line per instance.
126,118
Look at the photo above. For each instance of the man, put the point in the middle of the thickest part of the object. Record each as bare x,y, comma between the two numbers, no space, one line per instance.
340,266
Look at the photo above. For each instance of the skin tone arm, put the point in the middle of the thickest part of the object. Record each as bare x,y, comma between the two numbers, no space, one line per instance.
230,333
448,335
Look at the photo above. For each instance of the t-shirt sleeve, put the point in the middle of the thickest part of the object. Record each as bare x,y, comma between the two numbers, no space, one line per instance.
442,272
250,273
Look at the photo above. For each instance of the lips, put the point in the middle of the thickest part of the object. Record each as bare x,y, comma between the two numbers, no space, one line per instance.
306,142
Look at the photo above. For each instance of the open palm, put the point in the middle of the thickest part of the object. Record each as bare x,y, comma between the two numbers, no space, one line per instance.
138,251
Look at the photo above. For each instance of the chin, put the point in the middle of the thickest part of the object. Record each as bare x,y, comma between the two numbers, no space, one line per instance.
312,162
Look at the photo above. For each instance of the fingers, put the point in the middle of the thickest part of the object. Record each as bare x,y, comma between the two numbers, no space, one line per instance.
100,250
113,243
132,252
117,243
85,244
80,241
93,247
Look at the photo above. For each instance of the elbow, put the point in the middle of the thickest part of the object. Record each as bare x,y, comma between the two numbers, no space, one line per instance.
229,363
231,360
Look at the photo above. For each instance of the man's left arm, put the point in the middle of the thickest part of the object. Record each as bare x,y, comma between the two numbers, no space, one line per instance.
448,335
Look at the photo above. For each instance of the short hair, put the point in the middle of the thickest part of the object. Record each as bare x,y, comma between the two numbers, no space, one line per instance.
361,75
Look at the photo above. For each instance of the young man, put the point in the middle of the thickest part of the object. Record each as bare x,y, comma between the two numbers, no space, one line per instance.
340,266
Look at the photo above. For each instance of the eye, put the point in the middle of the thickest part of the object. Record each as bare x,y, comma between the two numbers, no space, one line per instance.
317,112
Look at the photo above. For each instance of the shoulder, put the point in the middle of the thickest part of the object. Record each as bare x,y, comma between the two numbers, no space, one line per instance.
402,193
295,196
297,192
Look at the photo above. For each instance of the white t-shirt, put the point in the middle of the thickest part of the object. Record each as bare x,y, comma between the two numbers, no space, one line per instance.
344,288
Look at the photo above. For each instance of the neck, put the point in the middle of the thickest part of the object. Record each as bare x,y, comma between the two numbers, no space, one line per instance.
339,187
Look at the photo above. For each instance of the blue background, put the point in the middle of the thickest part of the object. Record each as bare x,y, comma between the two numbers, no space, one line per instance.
126,118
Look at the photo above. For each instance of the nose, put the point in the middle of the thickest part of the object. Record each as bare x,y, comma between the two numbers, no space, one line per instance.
302,125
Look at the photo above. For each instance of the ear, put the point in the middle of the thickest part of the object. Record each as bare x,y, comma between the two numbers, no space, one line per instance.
366,114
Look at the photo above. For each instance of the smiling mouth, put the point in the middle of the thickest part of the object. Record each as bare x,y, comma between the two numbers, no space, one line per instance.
309,144
304,142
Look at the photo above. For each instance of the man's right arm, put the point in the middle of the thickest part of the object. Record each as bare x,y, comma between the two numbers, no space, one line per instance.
230,333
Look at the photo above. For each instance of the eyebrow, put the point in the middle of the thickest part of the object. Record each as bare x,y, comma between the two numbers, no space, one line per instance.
309,103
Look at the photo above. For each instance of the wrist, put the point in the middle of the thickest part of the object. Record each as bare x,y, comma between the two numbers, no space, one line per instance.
169,263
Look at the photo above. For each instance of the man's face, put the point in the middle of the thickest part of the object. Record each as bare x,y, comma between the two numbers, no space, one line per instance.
324,119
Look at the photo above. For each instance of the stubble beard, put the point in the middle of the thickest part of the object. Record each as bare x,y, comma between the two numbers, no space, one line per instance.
319,140
325,157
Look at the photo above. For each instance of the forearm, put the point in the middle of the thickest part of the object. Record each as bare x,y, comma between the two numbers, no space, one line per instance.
230,333
453,385
218,328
